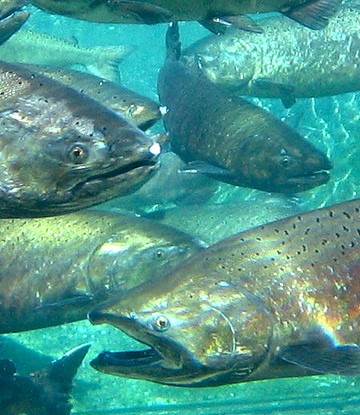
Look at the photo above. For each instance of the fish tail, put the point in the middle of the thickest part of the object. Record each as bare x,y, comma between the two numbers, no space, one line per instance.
108,60
57,378
173,44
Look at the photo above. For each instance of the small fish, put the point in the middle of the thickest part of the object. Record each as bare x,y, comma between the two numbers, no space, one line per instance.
279,300
61,150
311,13
287,61
140,110
44,392
27,46
55,269
229,138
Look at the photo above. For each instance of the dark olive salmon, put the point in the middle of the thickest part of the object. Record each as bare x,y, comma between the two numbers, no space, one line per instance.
61,150
279,300
312,13
53,270
236,141
46,391
136,108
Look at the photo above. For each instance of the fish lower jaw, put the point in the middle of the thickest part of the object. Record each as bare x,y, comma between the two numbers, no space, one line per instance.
306,181
140,164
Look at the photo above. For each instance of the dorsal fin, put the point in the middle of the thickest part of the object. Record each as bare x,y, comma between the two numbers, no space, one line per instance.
173,44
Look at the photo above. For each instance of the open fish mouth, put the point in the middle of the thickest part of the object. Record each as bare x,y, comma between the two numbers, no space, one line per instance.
123,361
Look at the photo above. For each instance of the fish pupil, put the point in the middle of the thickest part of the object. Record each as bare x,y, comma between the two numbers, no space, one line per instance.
78,154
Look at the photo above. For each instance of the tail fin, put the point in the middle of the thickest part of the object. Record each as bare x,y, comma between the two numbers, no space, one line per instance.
107,64
57,379
173,44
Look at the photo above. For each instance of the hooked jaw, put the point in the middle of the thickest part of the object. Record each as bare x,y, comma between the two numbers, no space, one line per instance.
161,362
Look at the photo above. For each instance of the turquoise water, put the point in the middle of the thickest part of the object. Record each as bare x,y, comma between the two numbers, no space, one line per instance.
331,123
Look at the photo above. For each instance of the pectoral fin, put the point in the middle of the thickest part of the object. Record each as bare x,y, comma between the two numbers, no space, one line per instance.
218,25
322,355
314,14
142,12
276,89
76,300
202,167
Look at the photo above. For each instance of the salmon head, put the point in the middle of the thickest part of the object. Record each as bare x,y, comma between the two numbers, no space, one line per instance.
61,151
196,333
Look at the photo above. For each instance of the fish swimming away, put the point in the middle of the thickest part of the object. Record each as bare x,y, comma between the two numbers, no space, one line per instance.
11,23
44,392
287,61
53,270
61,151
311,13
31,47
136,108
280,300
229,138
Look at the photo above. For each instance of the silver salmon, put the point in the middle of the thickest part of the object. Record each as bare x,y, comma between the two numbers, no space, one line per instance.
53,270
287,61
231,139
60,150
279,300
27,46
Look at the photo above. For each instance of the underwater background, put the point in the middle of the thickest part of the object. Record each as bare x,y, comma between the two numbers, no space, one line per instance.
331,123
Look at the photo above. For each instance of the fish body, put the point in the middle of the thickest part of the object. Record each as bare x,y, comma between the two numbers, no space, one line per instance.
287,60
61,150
136,108
44,392
243,144
279,300
312,13
53,270
31,47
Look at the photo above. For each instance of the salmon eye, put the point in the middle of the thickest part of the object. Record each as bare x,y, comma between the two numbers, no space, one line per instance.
159,254
285,161
161,323
78,154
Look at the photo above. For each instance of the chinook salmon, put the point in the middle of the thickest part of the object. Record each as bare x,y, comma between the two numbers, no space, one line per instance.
287,61
138,109
53,270
234,140
61,150
28,46
279,300
44,392
312,13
